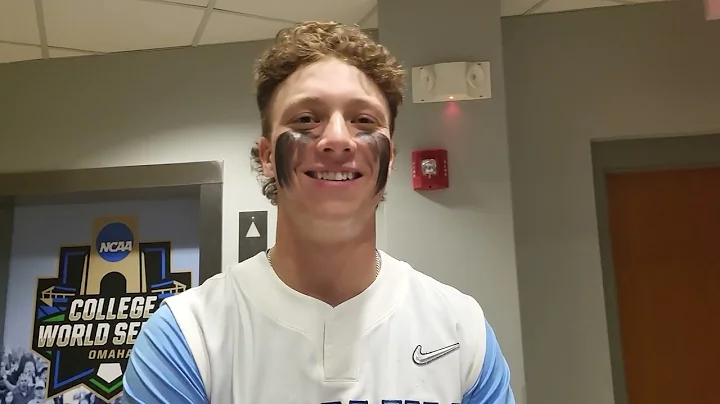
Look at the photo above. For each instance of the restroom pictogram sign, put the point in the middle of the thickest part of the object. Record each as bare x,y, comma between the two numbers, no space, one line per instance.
253,234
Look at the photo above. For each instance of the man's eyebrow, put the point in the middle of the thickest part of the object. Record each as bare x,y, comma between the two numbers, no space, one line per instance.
368,103
357,102
296,102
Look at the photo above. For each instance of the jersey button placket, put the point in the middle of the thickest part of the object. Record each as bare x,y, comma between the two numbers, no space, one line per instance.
339,350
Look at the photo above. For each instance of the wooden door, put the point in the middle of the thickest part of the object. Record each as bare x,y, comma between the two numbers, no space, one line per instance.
665,238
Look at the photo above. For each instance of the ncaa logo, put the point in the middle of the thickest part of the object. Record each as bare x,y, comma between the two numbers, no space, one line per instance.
114,242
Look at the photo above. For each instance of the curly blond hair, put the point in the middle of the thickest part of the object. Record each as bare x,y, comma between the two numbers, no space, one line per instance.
309,42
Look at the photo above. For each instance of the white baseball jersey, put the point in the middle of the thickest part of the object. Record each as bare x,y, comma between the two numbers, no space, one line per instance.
245,337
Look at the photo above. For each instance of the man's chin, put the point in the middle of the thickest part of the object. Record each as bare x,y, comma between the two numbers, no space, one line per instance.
335,211
340,211
323,207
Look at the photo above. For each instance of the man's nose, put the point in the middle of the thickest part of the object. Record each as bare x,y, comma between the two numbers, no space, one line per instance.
336,139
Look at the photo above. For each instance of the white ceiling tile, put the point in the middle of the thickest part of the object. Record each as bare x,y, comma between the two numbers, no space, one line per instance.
345,11
119,25
556,6
225,27
67,53
516,7
16,53
202,3
18,21
371,21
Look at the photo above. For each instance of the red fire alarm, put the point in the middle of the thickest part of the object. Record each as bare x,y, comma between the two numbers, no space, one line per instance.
430,169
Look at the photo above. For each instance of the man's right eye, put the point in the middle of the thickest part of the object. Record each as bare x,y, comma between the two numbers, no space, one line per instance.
305,119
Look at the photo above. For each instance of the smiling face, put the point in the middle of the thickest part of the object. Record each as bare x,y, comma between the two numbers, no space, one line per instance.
329,146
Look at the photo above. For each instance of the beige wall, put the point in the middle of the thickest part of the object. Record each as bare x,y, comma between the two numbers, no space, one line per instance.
649,70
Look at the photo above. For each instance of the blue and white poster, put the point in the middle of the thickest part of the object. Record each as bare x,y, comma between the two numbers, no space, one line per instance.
83,280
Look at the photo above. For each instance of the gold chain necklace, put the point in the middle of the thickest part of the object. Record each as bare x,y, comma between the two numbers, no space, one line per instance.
378,261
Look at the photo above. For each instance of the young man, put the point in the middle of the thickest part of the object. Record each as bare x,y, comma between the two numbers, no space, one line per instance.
322,317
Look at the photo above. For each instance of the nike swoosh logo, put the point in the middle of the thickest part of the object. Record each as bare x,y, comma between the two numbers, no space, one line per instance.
423,358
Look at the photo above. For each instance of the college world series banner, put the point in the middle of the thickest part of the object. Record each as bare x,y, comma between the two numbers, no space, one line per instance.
88,314
88,317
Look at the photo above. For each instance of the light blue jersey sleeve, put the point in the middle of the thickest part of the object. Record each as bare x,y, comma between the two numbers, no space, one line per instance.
161,368
493,383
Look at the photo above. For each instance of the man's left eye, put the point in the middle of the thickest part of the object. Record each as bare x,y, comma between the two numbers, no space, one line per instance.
365,120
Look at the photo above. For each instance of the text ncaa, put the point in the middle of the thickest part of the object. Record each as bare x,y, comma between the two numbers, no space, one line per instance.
114,242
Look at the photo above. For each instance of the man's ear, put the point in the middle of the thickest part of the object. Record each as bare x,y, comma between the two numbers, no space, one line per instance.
392,157
265,148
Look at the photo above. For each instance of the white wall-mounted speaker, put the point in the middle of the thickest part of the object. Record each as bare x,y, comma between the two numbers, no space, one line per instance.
454,81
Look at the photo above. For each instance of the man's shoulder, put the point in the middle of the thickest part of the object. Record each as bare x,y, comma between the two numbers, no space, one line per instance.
218,289
458,314
192,315
454,314
429,290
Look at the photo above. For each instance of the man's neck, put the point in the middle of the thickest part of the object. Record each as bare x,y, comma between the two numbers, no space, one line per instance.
332,271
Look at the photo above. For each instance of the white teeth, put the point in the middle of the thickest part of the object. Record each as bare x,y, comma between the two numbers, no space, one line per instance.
335,176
